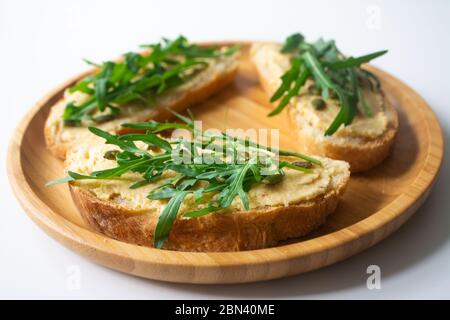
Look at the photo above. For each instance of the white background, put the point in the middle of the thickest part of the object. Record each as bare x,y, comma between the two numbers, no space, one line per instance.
42,43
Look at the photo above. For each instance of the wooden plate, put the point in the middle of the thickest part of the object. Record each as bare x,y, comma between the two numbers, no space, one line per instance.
375,204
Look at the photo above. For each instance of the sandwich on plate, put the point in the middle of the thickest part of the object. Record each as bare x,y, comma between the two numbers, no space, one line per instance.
338,107
138,87
199,191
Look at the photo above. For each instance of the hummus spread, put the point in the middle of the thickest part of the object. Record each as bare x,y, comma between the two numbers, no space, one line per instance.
369,127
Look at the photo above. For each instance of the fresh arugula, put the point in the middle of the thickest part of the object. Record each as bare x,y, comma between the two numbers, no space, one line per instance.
139,77
332,73
213,186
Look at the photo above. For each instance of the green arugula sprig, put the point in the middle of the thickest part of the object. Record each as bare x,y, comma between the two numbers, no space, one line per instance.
332,73
214,186
138,78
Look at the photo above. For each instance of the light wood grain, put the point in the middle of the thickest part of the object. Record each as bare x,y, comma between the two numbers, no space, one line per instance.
375,204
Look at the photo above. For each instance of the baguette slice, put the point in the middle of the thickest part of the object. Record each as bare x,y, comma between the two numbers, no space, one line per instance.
292,208
361,152
217,75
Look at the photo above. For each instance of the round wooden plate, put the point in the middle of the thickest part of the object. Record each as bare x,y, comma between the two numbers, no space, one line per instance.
375,204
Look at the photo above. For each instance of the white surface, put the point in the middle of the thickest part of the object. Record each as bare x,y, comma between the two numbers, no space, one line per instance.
42,43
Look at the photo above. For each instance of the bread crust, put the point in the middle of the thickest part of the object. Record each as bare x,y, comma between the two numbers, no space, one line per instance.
215,232
59,148
361,154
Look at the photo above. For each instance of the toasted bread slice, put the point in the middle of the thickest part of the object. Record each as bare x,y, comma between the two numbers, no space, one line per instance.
218,74
364,144
292,208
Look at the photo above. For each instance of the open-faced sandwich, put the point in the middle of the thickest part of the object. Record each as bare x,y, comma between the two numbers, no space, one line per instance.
338,107
141,86
199,191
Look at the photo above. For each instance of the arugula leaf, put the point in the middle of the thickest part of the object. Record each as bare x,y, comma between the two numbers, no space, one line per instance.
356,62
292,42
121,169
318,73
167,218
156,126
71,176
58,181
112,139
286,80
365,106
299,82
100,93
149,138
201,212
82,86
165,193
235,188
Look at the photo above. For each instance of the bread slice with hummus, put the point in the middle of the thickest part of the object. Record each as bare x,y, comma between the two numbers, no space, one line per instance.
364,143
199,84
134,188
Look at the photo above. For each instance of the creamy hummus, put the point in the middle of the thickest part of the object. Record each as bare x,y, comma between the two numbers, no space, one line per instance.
362,126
